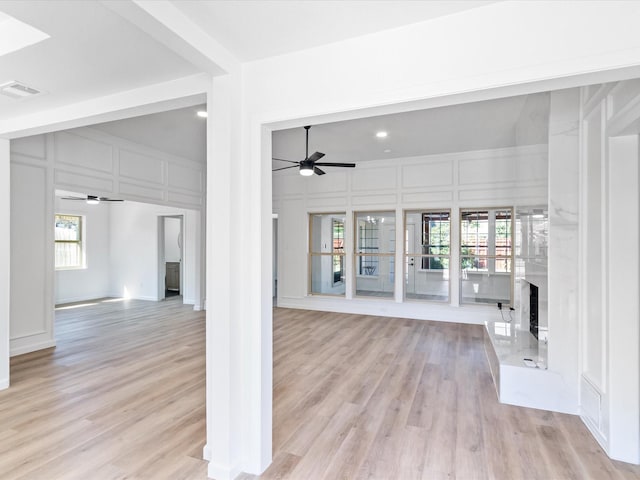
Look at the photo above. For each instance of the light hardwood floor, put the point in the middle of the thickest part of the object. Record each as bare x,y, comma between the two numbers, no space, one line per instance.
361,397
122,396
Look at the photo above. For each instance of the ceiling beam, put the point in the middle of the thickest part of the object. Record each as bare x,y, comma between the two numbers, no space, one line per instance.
166,23
170,95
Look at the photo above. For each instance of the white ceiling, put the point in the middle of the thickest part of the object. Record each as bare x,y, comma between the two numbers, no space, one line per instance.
98,48
472,126
91,52
178,132
254,29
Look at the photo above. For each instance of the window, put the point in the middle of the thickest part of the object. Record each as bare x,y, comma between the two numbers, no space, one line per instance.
69,242
427,253
374,255
486,255
326,253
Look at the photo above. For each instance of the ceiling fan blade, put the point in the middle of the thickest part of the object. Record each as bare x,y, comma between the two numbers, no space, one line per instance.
325,164
102,199
72,198
284,168
317,171
283,160
316,156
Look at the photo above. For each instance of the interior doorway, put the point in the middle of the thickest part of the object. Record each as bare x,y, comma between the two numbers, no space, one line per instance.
170,255
275,260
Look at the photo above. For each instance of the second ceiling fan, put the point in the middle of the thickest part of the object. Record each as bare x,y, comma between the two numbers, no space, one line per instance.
310,164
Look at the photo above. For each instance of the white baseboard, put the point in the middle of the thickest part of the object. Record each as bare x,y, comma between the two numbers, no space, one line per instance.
471,314
149,299
33,347
197,308
597,434
83,298
220,472
206,452
4,383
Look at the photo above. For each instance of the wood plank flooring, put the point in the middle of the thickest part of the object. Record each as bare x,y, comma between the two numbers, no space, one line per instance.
122,396
355,397
360,397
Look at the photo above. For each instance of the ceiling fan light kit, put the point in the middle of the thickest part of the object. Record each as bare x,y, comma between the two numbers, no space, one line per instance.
310,164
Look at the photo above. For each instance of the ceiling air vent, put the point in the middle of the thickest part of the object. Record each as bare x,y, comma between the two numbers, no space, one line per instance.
15,89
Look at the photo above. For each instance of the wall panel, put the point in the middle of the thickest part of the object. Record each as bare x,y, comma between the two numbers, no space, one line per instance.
432,174
78,151
140,167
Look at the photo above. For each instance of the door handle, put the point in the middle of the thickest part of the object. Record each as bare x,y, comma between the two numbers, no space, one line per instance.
411,264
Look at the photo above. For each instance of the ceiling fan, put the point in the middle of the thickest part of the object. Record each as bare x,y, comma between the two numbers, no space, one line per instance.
310,164
92,199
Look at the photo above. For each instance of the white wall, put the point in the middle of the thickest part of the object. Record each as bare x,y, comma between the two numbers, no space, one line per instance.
5,260
32,260
172,240
489,178
609,263
391,68
134,250
94,280
401,66
84,160
106,165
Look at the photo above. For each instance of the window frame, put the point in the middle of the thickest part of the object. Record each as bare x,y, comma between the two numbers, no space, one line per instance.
490,258
358,255
408,256
81,241
311,253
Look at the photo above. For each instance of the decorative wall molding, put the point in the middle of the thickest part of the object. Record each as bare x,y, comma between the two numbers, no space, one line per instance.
450,181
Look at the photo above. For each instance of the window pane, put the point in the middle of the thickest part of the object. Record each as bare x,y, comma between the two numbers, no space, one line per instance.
375,232
431,283
481,287
68,227
474,230
378,275
68,255
323,275
327,237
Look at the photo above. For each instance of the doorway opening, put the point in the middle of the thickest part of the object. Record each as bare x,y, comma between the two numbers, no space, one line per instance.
170,255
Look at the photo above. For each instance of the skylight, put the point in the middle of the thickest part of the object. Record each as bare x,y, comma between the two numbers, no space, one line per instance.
15,35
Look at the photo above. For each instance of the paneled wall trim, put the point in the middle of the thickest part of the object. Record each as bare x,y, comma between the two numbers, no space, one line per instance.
609,263
487,178
87,158
86,161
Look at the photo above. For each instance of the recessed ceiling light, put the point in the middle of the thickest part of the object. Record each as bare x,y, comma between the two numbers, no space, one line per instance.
202,113
387,150
16,35
381,134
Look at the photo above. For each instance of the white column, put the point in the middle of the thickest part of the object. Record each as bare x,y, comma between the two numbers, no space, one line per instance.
563,260
623,303
5,255
222,392
238,285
